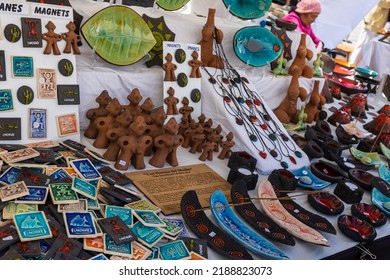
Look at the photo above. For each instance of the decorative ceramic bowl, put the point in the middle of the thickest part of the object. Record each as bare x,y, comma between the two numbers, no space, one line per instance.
232,225
354,130
327,171
362,178
356,229
249,9
385,151
346,85
171,5
347,163
381,185
365,72
306,179
256,45
381,201
326,203
348,192
276,212
369,213
344,137
384,173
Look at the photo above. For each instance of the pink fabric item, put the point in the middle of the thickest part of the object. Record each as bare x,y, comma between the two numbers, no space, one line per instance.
293,17
308,6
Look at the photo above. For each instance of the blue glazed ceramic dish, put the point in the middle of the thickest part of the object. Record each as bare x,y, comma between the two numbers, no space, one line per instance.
307,180
256,45
231,224
365,72
249,9
381,201
384,173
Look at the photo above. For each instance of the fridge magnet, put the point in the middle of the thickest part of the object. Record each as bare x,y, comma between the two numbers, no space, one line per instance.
25,95
65,66
31,32
68,94
37,123
51,38
10,129
6,103
22,66
72,39
67,124
47,83
12,33
32,226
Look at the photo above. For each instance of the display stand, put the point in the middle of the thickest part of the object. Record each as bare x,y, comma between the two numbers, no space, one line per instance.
46,106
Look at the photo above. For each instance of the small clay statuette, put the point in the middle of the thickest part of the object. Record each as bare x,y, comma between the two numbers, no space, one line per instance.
103,100
197,139
134,98
105,123
51,38
156,127
227,146
166,145
188,133
209,32
133,146
171,102
71,39
195,64
146,110
287,110
207,151
184,124
216,137
123,121
315,101
186,110
299,61
169,67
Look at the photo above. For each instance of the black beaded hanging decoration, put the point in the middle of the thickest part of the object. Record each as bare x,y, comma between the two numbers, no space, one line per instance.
247,107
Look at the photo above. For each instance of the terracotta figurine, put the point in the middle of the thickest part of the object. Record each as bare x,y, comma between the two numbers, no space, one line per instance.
186,110
195,64
299,61
71,38
103,100
134,98
169,67
51,38
197,139
147,109
171,102
227,145
207,151
315,101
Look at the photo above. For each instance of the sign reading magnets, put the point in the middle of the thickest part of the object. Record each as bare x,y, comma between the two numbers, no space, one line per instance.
196,95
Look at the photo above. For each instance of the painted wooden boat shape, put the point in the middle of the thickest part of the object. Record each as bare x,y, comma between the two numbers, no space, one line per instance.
231,224
276,211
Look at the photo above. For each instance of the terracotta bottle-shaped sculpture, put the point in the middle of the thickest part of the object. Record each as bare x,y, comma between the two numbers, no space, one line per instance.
133,146
197,139
103,100
146,110
209,32
105,123
166,145
156,128
134,98
299,61
312,107
123,120
287,111
227,146
190,131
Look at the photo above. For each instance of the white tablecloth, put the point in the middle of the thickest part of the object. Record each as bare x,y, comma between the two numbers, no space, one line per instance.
377,56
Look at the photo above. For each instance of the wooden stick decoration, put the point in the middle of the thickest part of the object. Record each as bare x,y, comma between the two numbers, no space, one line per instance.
243,203
379,134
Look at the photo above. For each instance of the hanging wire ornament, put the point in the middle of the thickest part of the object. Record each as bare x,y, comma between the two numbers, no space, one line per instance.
248,108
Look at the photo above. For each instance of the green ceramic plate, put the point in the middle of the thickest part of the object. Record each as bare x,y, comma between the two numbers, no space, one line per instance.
118,35
171,5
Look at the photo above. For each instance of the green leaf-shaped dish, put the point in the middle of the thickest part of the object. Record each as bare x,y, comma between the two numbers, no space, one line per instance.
171,5
118,35
366,158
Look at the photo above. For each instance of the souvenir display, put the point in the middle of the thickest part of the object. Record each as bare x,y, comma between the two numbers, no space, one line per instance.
231,224
123,24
